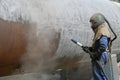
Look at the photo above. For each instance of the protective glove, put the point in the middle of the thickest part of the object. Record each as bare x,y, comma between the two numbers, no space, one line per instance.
86,49
90,50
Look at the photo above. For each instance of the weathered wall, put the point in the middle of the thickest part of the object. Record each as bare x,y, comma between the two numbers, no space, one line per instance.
52,23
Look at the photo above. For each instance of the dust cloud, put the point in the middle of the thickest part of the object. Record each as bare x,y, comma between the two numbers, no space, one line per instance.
42,34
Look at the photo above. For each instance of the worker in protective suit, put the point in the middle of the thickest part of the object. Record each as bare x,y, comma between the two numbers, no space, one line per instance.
100,49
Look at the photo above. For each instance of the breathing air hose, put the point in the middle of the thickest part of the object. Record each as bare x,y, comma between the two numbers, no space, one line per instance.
115,36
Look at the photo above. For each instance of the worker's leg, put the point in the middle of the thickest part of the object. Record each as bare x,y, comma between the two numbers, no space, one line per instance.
97,72
106,60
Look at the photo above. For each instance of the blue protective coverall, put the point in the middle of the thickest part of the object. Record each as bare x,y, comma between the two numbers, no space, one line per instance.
104,60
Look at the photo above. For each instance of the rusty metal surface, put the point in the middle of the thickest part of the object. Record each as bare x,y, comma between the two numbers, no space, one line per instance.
52,23
12,46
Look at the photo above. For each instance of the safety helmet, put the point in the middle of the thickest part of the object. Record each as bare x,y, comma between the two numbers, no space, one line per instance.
96,20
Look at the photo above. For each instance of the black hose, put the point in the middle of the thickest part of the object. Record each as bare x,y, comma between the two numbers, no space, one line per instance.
115,36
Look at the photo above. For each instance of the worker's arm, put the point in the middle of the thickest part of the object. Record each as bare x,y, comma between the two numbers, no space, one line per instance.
103,44
88,49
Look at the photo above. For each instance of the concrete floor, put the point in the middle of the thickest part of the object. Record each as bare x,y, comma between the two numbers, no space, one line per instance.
32,76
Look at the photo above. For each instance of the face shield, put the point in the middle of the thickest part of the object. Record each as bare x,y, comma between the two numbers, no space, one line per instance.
93,25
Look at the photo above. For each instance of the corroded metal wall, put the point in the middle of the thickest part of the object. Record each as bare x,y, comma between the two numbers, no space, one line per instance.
52,23
12,46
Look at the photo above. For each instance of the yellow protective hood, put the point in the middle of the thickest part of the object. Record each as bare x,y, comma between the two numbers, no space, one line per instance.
101,30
